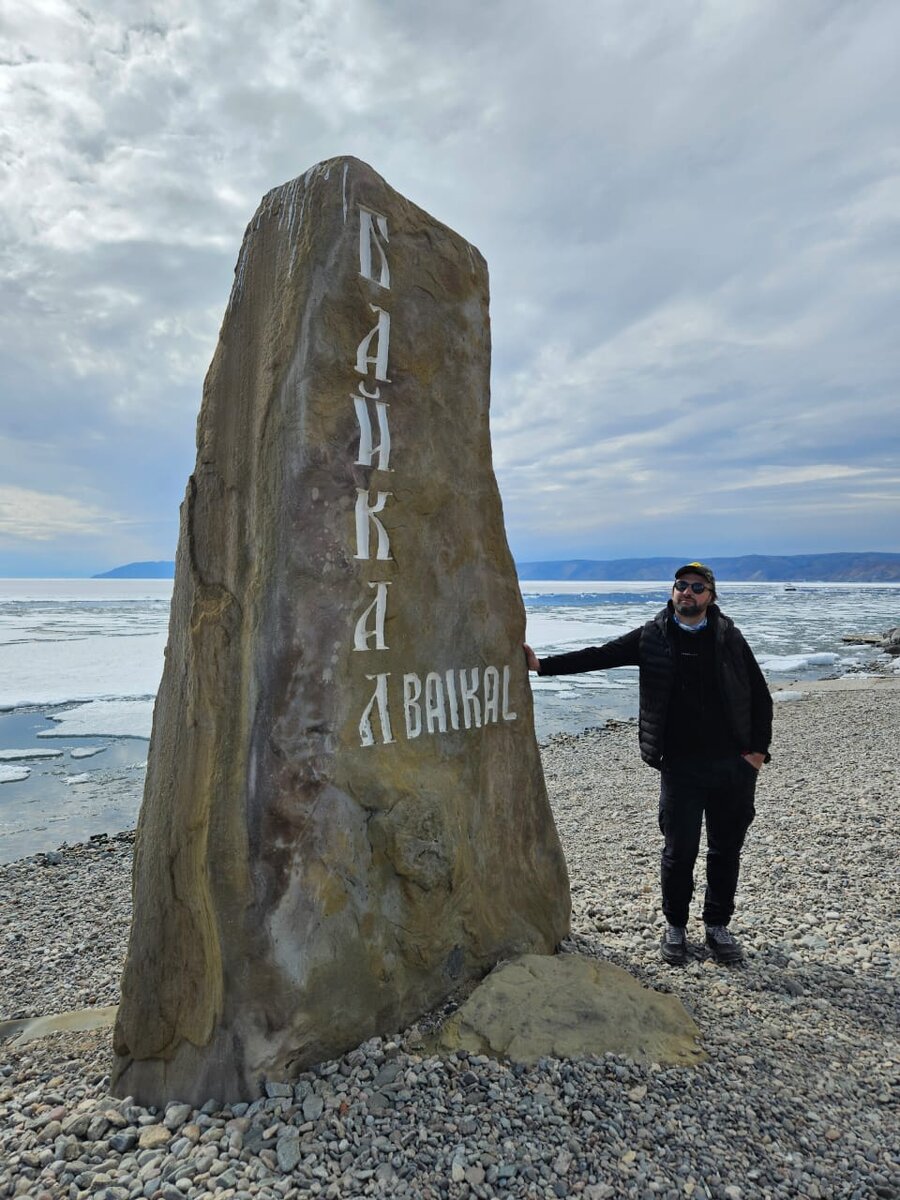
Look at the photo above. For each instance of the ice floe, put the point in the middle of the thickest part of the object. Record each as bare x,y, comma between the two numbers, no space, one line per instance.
103,718
782,664
23,755
13,774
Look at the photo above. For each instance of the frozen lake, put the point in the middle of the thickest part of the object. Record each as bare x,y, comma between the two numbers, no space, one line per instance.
795,631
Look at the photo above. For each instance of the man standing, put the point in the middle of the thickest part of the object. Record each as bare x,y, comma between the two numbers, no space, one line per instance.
705,723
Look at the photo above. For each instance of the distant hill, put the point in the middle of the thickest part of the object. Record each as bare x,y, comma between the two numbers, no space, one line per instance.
865,567
140,570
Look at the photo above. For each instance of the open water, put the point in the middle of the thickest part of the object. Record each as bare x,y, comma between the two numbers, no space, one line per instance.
80,662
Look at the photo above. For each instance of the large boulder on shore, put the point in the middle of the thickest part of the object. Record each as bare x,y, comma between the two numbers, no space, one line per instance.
345,816
570,1006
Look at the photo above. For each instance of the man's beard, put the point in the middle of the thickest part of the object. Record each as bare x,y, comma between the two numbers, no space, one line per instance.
687,608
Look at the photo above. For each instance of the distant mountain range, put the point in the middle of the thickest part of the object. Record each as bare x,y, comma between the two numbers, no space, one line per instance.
140,570
865,567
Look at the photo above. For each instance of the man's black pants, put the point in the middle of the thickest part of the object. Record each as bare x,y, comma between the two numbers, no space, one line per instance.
723,789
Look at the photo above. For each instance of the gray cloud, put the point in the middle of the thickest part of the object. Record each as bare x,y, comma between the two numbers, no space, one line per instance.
689,212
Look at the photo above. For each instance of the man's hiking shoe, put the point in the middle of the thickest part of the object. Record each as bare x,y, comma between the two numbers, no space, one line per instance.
673,946
723,945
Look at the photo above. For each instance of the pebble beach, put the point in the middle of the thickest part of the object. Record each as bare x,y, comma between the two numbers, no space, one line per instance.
799,1096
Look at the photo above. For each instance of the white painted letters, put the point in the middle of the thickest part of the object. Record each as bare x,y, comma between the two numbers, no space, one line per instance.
365,513
450,699
366,450
491,695
433,707
381,332
379,699
450,676
363,636
372,229
435,712
471,705
508,714
412,710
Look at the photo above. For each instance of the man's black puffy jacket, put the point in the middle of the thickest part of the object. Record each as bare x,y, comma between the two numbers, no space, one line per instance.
741,682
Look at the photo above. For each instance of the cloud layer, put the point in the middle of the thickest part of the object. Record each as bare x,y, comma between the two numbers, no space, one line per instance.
689,212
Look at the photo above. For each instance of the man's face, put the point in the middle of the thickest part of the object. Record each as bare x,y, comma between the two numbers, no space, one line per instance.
691,606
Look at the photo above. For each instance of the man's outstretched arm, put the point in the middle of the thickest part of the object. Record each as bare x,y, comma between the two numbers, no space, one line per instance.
621,652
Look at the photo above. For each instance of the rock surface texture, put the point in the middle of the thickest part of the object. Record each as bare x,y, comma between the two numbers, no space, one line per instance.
570,1006
889,641
345,816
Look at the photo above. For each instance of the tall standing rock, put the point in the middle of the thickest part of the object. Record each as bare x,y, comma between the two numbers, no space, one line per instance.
345,815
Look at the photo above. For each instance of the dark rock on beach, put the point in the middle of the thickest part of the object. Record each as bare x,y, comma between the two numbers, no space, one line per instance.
889,641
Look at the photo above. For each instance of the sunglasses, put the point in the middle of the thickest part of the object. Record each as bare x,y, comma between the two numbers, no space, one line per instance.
697,588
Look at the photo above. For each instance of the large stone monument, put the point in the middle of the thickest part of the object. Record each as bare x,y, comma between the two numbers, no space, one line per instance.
345,817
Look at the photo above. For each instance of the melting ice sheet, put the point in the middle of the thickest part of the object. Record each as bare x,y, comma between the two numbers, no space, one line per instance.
85,639
102,718
45,672
63,642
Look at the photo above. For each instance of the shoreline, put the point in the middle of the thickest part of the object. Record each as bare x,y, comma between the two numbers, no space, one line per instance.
794,1100
887,682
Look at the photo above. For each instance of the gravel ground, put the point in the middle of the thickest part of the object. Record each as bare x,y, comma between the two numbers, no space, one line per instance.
798,1098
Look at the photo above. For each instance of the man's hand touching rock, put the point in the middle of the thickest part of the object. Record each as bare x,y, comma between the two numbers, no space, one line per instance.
534,663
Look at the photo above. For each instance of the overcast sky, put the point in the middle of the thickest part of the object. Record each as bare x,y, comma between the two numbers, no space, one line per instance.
690,212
